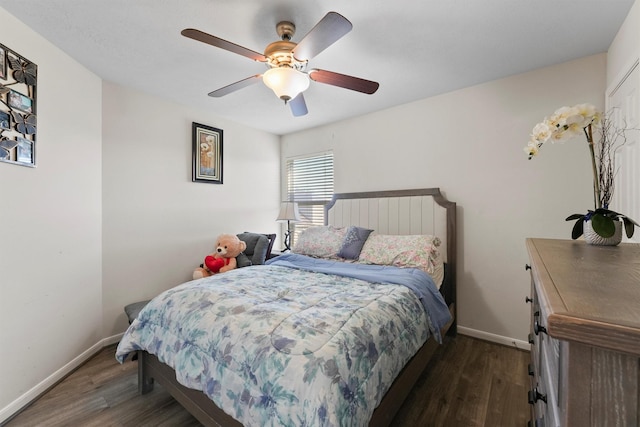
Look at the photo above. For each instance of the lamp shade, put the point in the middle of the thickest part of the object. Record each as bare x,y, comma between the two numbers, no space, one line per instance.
289,212
285,82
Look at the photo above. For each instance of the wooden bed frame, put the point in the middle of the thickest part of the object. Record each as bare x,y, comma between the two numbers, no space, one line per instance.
419,211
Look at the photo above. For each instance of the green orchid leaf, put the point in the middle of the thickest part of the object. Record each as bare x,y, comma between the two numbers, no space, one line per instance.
603,225
628,226
574,216
578,229
607,212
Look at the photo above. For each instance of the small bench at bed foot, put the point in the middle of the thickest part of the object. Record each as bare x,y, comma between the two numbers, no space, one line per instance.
132,310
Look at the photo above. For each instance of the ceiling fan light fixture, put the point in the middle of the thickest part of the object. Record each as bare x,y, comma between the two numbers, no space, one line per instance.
287,61
286,82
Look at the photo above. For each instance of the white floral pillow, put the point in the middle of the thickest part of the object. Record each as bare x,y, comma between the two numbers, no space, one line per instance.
320,242
417,251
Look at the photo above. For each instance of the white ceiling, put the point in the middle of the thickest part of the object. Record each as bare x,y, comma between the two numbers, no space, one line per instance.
413,48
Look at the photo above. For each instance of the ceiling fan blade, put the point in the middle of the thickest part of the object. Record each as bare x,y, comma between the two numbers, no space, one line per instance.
342,80
223,44
298,106
235,86
326,32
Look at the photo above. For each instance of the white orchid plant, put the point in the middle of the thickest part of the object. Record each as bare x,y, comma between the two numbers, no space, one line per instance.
567,123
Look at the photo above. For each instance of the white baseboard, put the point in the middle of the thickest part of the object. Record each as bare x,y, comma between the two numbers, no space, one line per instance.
22,401
511,342
112,340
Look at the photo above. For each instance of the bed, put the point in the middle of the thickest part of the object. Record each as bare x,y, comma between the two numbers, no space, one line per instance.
308,340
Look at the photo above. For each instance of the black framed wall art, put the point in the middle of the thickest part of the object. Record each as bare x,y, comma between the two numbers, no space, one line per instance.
18,120
207,154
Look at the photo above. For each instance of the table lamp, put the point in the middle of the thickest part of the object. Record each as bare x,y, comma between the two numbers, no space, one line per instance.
288,212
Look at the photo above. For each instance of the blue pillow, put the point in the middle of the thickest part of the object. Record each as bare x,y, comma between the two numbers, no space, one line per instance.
353,242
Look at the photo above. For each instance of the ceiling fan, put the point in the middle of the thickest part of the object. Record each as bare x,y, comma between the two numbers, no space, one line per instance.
287,73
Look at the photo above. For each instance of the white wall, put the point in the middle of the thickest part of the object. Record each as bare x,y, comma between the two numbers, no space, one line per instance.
158,225
470,144
50,216
625,48
110,215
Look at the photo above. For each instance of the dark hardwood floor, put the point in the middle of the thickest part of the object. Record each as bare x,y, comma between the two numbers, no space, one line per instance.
469,383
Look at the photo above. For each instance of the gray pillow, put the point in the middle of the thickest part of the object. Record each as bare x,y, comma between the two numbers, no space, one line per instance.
256,251
353,242
243,261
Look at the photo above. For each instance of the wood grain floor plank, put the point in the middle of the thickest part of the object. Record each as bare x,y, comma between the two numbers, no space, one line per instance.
509,404
468,383
432,398
473,389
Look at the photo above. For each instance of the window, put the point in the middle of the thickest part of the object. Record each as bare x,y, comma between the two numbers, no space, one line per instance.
310,183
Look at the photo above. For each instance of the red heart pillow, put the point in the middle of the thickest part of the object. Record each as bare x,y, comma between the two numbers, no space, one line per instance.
213,264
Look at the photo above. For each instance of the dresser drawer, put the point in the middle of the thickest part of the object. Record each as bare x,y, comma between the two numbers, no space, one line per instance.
536,390
550,356
544,367
548,347
534,339
549,387
543,394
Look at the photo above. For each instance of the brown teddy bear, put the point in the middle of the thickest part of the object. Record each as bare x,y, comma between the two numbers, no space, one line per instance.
228,247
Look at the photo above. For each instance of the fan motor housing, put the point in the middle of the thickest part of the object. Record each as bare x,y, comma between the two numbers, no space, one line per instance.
279,54
279,48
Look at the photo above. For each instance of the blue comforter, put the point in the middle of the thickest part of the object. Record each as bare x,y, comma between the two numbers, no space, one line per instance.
420,283
298,342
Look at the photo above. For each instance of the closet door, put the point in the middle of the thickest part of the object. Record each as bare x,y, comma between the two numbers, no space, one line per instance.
623,102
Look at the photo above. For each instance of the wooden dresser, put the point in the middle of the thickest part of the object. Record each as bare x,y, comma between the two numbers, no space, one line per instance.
585,334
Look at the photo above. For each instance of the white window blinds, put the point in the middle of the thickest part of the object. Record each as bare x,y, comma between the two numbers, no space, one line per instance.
310,183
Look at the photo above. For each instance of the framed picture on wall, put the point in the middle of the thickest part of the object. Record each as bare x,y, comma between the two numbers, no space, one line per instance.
5,120
207,154
3,63
25,151
18,101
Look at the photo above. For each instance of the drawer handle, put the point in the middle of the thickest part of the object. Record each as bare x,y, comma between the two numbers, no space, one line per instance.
537,328
530,369
527,299
527,267
531,341
535,395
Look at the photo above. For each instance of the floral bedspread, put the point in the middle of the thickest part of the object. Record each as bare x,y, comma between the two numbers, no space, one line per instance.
278,345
